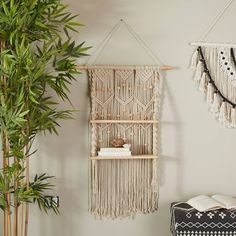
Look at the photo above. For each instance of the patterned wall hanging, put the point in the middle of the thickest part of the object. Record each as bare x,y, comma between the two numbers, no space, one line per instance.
124,105
214,67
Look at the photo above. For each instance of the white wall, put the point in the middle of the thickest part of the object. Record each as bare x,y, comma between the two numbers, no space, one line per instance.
198,155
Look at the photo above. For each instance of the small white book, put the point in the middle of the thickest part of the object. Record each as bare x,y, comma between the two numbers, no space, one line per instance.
114,154
122,149
206,203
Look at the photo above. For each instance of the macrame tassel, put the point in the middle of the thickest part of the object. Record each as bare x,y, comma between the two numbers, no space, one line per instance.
198,72
194,60
203,83
223,113
210,93
216,104
233,117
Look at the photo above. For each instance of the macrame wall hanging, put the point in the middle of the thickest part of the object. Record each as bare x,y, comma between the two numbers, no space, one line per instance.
214,67
124,104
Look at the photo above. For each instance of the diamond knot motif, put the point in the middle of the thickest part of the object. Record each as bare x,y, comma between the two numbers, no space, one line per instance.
188,215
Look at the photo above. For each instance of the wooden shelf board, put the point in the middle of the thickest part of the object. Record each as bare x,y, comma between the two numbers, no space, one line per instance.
133,157
124,121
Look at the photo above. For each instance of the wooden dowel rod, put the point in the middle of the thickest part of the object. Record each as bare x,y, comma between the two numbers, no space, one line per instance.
230,45
164,67
135,157
124,121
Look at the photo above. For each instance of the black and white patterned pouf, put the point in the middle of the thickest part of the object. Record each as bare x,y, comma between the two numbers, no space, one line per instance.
187,221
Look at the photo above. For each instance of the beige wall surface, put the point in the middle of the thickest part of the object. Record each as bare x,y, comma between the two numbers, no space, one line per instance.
198,155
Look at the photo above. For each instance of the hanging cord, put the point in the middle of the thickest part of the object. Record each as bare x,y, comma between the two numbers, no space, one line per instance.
143,44
103,44
140,41
214,22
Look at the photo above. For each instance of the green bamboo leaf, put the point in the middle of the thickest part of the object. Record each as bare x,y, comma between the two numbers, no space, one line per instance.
22,114
71,28
5,9
40,24
74,23
20,120
12,4
37,58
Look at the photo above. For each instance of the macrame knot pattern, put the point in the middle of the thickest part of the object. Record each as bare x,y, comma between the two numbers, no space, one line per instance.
124,187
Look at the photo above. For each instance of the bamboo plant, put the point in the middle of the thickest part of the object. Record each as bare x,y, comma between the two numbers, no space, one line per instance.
37,54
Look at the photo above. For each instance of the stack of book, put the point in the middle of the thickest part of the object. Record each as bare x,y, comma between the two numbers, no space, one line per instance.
115,152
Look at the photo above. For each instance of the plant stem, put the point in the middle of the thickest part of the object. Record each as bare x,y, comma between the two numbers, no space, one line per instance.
21,230
4,155
5,220
21,219
8,192
6,217
27,184
16,202
26,219
7,211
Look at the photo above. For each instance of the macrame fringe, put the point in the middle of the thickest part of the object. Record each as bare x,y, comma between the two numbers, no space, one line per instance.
203,83
94,177
194,61
154,177
224,111
210,93
216,104
124,188
198,72
233,117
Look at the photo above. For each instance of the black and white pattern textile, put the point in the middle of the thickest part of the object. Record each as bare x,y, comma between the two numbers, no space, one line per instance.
187,221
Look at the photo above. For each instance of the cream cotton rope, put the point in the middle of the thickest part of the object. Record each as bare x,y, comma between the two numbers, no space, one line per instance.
123,188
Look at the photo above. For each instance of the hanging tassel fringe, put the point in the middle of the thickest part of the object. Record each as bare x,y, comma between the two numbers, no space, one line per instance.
216,104
212,85
210,93
124,188
198,72
194,61
233,117
203,83
223,115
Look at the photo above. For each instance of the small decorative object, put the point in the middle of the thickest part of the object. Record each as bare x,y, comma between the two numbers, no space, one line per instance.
127,145
118,142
